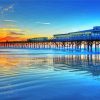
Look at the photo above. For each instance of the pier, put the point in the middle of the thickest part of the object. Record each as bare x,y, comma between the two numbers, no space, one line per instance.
88,40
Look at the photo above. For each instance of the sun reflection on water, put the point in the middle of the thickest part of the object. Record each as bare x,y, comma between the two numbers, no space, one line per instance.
14,64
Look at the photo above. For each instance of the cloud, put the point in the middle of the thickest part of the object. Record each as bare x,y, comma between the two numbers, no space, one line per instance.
8,8
11,31
15,33
43,23
46,23
9,21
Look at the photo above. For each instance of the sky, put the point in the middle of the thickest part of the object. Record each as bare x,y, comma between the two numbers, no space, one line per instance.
33,18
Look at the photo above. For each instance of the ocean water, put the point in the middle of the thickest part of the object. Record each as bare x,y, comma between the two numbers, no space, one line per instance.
27,74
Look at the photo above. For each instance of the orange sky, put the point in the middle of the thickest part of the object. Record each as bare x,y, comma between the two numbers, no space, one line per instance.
15,34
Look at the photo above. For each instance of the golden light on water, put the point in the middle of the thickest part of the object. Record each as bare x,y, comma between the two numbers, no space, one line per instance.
10,64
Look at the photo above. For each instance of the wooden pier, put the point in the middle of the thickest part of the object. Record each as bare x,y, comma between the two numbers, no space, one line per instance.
75,45
88,40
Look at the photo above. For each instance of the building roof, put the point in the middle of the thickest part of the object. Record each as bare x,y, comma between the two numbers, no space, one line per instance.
95,29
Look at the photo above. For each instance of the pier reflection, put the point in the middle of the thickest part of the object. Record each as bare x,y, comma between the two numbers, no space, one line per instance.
89,63
14,64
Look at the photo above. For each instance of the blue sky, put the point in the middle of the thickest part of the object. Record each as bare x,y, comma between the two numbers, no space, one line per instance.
50,16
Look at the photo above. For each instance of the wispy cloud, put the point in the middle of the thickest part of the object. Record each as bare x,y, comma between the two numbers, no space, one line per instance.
15,33
46,23
43,23
6,9
9,21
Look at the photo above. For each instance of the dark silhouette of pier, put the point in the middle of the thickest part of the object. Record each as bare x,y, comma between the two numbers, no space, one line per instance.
80,40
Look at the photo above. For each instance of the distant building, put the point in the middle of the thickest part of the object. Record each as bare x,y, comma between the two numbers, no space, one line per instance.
91,32
39,39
